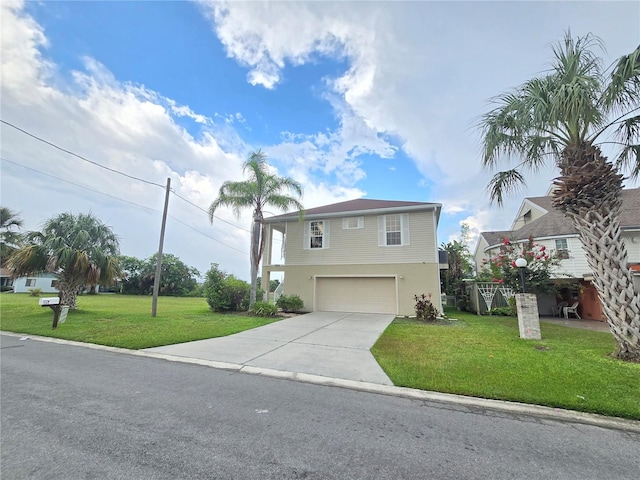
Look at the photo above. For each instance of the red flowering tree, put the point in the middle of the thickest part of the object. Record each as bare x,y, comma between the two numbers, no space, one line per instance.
538,273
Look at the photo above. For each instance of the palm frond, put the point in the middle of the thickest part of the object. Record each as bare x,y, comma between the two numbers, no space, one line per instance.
257,191
504,183
569,106
623,91
76,247
9,219
237,195
284,203
28,260
629,158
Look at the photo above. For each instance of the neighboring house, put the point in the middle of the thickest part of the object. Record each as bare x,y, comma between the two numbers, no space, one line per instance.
537,219
357,256
46,282
5,278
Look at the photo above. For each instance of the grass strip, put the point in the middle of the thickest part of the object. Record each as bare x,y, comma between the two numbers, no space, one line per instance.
484,357
124,321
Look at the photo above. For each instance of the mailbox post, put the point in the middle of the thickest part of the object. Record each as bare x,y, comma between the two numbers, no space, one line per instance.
54,304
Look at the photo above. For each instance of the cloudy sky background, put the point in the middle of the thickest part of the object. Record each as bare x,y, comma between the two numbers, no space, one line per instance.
352,99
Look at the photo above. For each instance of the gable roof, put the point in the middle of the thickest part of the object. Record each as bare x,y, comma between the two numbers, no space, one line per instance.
527,205
555,223
359,206
493,238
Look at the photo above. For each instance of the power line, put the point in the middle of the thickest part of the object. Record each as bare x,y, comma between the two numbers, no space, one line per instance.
207,212
208,236
115,171
125,201
78,185
80,156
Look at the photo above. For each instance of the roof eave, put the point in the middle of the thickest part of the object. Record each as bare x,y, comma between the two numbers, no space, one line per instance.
354,213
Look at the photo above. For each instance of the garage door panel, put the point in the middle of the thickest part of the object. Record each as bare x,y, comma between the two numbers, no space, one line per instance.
356,294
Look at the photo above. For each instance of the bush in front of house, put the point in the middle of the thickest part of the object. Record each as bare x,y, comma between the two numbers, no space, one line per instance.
290,303
35,292
501,311
225,292
424,308
264,309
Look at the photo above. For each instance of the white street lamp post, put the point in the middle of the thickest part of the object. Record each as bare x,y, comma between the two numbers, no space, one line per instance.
521,263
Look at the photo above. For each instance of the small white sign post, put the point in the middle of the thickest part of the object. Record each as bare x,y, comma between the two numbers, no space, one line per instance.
64,311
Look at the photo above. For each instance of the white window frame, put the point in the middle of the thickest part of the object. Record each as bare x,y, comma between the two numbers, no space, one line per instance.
563,252
347,223
307,235
404,230
30,282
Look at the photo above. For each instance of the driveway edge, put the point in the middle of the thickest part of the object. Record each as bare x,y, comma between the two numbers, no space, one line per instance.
513,408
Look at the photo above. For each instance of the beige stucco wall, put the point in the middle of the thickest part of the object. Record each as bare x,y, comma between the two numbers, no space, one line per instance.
360,246
412,278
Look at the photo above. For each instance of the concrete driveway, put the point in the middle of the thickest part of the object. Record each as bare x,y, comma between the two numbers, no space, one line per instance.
331,344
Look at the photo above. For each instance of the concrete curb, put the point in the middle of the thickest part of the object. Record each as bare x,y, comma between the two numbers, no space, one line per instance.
512,408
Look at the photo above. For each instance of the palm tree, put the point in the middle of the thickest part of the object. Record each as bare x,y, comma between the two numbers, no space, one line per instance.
80,249
565,116
9,240
261,190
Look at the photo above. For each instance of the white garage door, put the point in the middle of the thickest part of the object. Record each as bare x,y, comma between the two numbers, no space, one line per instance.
356,294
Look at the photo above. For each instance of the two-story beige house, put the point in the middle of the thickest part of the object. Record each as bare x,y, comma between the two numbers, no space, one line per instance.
537,219
357,256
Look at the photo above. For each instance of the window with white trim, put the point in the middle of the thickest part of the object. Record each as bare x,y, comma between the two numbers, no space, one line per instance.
31,282
316,234
562,248
393,230
352,223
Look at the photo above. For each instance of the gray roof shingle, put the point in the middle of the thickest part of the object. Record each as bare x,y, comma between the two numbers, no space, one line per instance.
493,238
352,206
555,223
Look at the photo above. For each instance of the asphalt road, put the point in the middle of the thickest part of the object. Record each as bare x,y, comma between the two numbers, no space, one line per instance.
74,413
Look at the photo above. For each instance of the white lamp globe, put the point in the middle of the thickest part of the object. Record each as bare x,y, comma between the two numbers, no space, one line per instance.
521,263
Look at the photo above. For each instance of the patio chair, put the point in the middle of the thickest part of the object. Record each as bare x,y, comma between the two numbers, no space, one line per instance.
572,309
558,309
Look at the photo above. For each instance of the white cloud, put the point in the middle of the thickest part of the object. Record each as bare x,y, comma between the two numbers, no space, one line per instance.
120,125
130,128
420,71
266,36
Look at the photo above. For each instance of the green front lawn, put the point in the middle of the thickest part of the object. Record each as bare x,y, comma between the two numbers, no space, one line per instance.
484,357
477,356
124,321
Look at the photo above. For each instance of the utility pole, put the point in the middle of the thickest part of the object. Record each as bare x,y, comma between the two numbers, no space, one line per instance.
156,280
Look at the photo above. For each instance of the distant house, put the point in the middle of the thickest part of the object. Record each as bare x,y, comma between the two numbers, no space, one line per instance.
5,278
357,256
46,282
537,219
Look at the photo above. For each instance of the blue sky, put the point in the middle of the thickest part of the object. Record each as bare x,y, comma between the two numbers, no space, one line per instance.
352,99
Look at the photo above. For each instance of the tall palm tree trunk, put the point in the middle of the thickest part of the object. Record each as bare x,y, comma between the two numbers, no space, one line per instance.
589,193
69,291
256,230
